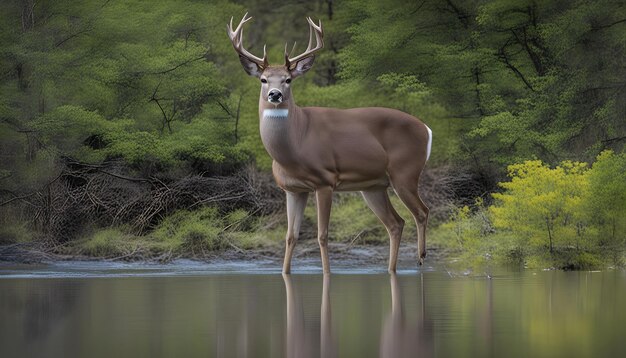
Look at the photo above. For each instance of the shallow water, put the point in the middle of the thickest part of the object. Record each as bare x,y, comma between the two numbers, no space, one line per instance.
238,309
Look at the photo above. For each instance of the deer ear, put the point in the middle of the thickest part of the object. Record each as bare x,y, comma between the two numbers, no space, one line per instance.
301,67
250,67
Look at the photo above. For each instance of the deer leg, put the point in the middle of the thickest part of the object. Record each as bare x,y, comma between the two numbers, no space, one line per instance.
324,198
379,202
296,202
411,199
295,319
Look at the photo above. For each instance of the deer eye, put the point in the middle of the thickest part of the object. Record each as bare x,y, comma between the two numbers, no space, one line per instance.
263,80
288,80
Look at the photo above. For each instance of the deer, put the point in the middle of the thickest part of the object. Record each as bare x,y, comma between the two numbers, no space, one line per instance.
325,150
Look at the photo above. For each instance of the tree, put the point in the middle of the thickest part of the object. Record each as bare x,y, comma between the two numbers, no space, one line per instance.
89,82
606,198
529,78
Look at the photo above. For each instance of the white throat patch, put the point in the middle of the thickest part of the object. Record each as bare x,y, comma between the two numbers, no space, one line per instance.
275,113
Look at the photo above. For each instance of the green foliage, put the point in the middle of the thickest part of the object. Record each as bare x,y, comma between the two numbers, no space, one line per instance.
69,130
15,232
542,205
23,168
186,232
532,79
192,230
569,216
606,198
403,84
110,242
465,232
352,221
205,229
512,76
130,80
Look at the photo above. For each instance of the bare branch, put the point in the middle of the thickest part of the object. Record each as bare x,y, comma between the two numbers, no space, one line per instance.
502,56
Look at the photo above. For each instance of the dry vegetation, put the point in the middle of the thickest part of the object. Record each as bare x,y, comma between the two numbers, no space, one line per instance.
103,211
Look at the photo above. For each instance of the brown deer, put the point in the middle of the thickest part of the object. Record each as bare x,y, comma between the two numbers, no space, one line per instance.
323,150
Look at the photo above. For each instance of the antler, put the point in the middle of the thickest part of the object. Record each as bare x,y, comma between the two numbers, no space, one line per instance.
236,38
314,31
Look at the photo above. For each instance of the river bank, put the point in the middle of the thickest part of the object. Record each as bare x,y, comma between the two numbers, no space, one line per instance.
340,254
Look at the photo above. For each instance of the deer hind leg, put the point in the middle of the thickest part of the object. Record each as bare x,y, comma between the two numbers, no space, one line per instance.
324,198
296,202
406,188
380,204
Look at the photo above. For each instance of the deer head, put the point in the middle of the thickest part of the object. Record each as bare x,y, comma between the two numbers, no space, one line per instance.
276,80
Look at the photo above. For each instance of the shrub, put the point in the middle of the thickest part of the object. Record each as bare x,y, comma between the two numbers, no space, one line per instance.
542,205
194,231
570,216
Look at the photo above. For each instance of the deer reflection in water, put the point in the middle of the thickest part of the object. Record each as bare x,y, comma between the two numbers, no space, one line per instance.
400,337
298,343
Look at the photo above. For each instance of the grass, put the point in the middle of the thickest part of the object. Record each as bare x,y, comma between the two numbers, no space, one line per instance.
198,230
467,238
351,221
109,242
205,230
14,233
184,233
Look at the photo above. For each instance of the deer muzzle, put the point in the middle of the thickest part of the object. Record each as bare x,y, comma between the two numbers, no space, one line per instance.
275,96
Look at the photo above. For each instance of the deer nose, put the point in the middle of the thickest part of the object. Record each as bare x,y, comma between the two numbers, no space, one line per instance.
275,96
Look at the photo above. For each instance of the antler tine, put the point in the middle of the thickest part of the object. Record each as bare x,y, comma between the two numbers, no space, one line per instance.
315,31
287,54
236,37
237,31
293,48
312,26
265,55
311,35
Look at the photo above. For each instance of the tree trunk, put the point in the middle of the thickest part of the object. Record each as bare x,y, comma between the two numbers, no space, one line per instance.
330,9
28,15
237,118
550,235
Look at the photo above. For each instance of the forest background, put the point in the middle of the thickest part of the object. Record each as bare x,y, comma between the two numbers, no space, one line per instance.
129,130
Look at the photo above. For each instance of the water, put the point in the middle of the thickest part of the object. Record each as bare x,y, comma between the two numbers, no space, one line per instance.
189,309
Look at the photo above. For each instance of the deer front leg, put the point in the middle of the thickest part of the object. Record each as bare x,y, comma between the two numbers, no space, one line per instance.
324,198
296,202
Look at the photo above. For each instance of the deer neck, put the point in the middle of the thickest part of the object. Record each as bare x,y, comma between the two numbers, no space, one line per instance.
281,127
